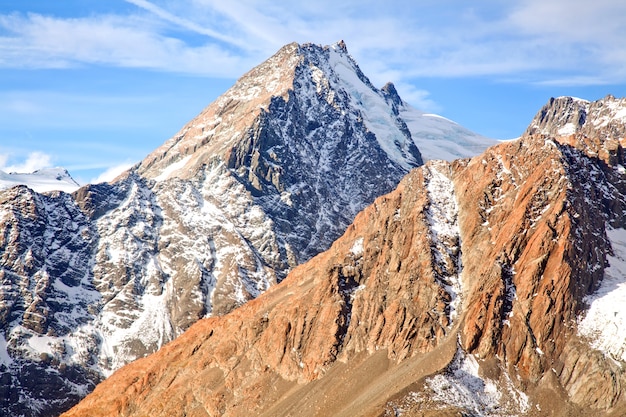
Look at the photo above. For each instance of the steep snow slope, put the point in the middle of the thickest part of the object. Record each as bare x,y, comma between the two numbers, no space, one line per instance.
439,138
604,322
435,136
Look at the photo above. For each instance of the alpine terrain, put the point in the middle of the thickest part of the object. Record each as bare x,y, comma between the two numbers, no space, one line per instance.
490,286
265,178
43,180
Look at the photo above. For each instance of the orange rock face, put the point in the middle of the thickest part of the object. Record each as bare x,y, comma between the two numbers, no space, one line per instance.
487,259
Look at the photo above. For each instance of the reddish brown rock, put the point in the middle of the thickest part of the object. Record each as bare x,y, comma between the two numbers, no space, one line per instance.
367,325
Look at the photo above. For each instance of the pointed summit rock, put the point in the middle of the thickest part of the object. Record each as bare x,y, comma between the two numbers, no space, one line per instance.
486,286
302,86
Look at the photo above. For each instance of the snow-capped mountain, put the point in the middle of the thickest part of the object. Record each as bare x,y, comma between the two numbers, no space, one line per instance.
43,180
489,286
266,177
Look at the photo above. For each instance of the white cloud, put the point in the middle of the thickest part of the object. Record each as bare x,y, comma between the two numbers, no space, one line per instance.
569,39
33,162
572,20
37,41
535,40
417,97
187,24
111,173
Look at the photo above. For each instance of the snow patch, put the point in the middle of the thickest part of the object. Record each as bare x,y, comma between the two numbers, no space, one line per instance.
357,247
605,320
442,216
462,386
576,99
167,172
568,129
41,344
152,326
439,138
5,359
285,197
41,181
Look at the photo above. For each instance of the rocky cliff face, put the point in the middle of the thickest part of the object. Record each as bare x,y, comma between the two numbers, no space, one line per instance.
481,287
563,116
263,179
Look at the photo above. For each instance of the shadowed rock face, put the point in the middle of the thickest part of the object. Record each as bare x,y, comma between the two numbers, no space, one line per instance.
461,293
266,177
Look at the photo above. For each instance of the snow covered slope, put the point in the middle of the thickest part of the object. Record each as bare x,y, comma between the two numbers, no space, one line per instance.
435,136
439,138
43,180
605,320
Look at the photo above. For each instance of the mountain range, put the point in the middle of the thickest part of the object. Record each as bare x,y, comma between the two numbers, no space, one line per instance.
312,245
485,286
264,179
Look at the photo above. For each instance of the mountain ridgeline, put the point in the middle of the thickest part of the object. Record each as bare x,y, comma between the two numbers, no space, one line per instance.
490,286
262,180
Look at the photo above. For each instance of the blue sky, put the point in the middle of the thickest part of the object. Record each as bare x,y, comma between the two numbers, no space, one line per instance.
96,85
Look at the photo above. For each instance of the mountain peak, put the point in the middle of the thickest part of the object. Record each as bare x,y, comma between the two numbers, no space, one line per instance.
342,46
390,92
565,116
304,73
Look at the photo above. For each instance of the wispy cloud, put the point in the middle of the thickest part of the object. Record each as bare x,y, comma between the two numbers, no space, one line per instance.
603,21
111,173
37,41
185,23
33,162
535,40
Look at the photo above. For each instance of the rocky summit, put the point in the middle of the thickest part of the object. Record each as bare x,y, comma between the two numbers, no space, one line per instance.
490,286
265,178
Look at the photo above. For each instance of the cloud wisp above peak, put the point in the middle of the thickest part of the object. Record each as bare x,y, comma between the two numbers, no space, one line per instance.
224,39
111,173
